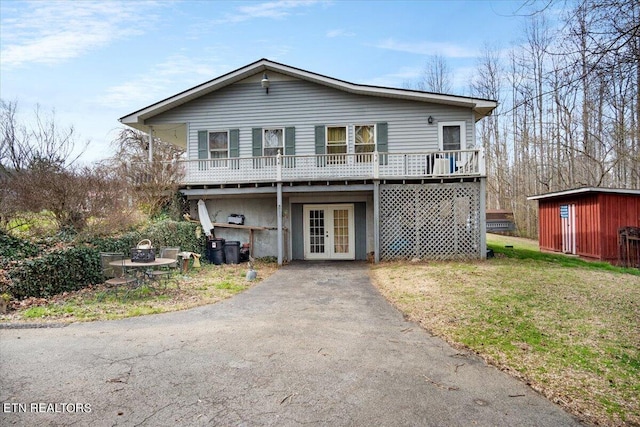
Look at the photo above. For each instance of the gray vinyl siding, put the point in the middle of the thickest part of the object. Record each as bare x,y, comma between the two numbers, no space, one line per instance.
303,105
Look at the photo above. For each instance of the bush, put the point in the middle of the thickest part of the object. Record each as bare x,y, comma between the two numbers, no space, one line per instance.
28,274
162,233
54,273
12,248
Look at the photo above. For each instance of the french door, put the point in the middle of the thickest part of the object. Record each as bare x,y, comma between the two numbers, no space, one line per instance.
329,232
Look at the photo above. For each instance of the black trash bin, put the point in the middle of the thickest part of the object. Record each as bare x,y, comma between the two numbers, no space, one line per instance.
215,251
232,252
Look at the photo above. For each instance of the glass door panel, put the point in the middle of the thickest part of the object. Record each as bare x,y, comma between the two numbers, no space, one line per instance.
341,231
316,231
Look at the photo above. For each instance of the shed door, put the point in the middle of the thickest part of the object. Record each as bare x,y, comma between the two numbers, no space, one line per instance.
329,232
568,224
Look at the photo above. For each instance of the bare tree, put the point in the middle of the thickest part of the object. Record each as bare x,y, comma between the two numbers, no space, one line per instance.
153,184
574,112
435,77
38,173
45,141
488,84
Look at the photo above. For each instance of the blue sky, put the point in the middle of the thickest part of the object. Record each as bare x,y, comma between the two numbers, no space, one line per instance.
94,62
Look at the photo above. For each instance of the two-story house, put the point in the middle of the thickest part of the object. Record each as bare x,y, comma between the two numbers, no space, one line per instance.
334,170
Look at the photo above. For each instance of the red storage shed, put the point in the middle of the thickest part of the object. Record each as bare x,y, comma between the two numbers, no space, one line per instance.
585,221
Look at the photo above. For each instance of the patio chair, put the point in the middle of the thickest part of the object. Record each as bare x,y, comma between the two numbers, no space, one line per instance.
115,276
165,272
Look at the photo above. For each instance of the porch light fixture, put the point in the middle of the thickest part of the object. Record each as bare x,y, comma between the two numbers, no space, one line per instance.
430,120
265,82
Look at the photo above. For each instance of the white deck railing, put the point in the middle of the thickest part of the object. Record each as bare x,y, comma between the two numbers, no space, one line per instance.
436,164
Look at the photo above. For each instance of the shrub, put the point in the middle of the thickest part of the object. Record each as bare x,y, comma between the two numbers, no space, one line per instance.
29,274
12,248
56,272
162,233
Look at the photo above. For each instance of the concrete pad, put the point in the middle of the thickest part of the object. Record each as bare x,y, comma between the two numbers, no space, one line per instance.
315,343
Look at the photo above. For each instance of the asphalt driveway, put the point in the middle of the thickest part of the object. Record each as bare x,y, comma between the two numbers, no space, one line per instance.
313,344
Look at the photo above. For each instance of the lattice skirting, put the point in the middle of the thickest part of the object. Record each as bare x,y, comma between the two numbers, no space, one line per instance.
430,221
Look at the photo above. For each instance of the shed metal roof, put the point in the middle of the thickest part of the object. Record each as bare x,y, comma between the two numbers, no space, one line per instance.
585,190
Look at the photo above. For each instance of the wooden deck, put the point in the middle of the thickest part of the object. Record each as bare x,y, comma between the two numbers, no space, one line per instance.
434,164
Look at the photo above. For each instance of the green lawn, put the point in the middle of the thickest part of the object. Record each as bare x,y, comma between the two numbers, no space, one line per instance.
570,328
516,242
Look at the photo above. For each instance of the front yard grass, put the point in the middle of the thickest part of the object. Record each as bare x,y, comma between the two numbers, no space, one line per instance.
206,285
570,329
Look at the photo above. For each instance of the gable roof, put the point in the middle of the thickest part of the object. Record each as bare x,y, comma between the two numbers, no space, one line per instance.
585,190
482,107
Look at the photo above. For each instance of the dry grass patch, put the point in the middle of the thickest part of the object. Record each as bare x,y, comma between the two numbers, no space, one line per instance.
206,285
571,333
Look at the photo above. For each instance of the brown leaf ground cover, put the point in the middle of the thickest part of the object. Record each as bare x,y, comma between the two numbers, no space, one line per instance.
572,333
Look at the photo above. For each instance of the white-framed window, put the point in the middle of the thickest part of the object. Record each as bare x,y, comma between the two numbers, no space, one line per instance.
272,141
218,144
364,142
336,144
452,135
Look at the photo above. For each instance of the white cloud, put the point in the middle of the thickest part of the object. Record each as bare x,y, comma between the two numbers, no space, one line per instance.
448,50
340,33
159,82
52,32
273,10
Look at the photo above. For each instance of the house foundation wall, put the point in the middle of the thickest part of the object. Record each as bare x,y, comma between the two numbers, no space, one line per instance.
416,221
261,211
258,211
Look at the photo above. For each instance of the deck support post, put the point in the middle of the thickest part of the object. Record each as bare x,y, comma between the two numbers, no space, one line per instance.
376,164
376,221
279,214
279,167
150,135
483,218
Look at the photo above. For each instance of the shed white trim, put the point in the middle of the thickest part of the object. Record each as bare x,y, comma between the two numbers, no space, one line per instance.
585,190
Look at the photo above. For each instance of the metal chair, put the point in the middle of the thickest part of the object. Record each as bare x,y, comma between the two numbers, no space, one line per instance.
165,272
115,276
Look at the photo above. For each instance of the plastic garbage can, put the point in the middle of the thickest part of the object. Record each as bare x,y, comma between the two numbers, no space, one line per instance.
232,252
215,251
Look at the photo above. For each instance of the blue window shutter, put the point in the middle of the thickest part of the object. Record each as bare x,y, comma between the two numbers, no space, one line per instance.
320,140
234,143
320,144
203,148
234,148
289,146
290,141
256,135
203,144
382,143
256,145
